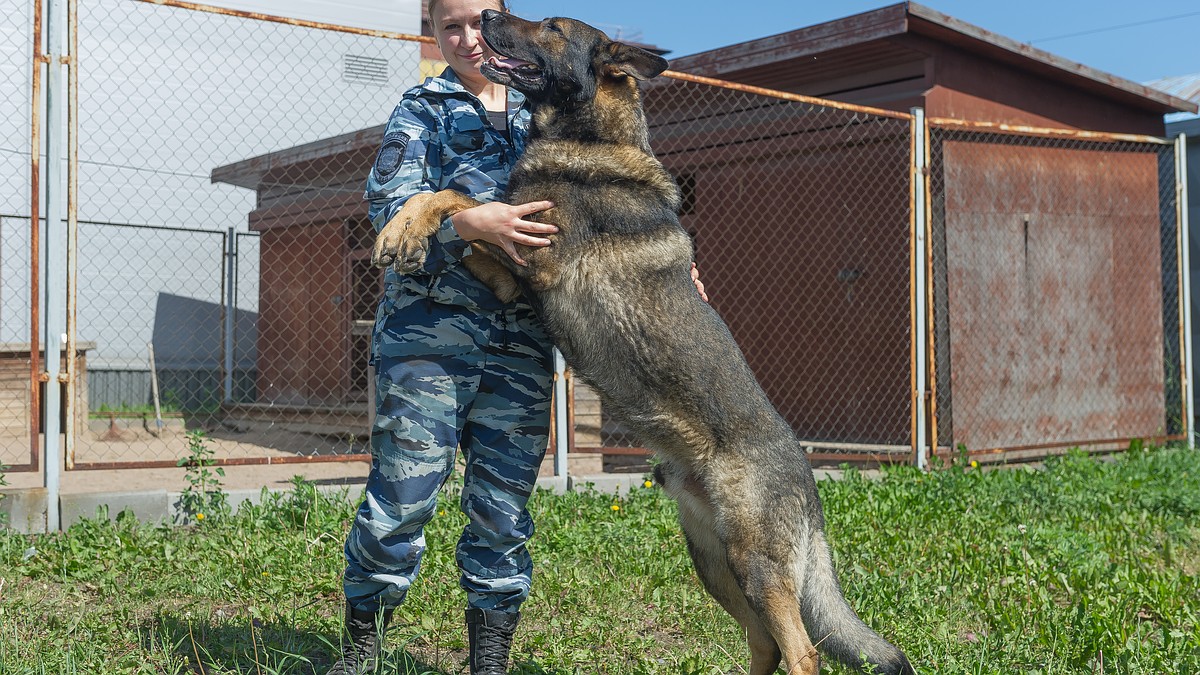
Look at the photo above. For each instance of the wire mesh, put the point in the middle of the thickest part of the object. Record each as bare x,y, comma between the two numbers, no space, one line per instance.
1056,286
193,127
800,215
16,69
15,387
155,307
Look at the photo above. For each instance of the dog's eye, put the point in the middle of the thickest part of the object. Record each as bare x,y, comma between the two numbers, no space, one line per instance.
555,28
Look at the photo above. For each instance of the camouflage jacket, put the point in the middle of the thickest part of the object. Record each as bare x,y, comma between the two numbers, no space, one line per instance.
439,138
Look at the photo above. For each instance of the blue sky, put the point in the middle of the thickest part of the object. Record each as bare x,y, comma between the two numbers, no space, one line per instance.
1134,40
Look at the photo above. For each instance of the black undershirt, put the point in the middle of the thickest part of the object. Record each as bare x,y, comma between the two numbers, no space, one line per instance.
499,120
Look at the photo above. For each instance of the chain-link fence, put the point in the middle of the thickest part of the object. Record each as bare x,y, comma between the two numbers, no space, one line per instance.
16,390
219,239
802,222
1056,285
224,281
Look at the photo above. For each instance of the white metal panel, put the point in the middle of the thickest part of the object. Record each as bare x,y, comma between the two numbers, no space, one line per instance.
166,95
401,16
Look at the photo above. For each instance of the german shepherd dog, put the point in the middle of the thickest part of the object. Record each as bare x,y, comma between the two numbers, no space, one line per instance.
615,293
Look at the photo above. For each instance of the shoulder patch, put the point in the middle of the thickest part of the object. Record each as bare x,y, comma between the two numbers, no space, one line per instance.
391,153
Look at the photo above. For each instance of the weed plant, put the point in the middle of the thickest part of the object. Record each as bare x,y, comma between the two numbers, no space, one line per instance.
203,498
1086,566
3,515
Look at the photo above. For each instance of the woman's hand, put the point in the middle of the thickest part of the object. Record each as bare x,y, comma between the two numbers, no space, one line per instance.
504,225
699,284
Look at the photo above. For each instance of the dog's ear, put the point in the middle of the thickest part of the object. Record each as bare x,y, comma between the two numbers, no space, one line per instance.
635,61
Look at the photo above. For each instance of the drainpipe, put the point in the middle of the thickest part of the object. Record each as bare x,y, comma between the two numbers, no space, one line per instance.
919,176
1185,287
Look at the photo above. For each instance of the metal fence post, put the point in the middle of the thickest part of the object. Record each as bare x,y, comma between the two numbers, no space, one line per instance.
229,311
35,238
920,170
73,411
1181,206
561,432
55,252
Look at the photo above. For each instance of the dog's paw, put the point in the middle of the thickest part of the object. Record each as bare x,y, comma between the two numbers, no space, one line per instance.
412,256
387,243
394,247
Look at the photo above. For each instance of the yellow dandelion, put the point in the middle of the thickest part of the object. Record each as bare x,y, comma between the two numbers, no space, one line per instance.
199,516
974,464
648,484
616,507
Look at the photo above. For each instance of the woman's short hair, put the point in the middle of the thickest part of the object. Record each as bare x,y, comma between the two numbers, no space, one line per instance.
433,3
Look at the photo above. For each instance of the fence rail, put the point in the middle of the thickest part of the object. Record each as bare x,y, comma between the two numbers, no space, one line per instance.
901,286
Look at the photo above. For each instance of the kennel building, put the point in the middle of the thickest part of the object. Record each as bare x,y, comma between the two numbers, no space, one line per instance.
1052,271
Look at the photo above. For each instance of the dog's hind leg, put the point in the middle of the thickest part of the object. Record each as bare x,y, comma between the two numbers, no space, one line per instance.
712,564
713,569
770,594
782,619
768,609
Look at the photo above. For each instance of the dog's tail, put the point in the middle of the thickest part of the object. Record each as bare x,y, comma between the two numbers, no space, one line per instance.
834,627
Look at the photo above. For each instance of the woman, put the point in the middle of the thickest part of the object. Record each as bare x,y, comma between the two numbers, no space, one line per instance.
455,367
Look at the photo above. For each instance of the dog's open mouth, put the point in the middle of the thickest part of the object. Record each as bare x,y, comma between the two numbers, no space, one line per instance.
505,71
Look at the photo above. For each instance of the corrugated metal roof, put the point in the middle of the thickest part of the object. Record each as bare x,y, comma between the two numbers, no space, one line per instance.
1186,87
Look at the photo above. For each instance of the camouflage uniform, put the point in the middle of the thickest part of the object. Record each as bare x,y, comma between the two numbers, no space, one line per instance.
455,368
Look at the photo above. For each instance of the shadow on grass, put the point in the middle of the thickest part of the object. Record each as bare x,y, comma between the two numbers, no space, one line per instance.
241,646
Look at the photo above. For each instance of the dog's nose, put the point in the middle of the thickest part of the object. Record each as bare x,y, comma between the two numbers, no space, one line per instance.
489,14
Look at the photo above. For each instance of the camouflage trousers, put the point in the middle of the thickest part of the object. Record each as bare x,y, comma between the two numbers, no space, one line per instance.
451,378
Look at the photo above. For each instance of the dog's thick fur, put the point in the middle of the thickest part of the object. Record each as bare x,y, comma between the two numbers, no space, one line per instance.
615,294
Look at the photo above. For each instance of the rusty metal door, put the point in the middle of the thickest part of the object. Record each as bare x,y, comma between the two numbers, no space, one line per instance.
1058,292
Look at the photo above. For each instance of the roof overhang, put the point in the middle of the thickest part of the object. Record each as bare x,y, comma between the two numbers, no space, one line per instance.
943,27
249,173
871,30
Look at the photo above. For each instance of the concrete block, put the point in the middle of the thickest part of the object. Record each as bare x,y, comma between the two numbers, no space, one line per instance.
352,493
25,509
585,463
611,483
555,484
149,506
582,463
239,497
254,496
838,474
235,498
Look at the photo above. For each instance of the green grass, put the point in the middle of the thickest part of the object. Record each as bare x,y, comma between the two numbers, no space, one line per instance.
1088,566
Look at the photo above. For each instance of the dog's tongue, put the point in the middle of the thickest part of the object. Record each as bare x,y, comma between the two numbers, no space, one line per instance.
507,63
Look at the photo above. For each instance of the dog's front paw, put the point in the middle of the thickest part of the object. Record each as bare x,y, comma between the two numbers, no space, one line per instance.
396,247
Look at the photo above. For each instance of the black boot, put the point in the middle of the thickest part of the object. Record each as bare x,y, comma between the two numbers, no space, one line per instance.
489,634
362,639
